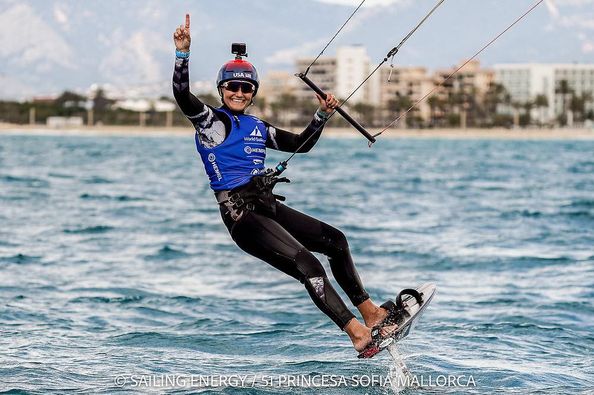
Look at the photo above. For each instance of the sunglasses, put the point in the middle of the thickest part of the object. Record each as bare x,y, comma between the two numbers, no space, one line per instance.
235,86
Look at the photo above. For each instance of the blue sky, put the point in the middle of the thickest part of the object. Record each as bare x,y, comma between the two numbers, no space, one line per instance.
47,46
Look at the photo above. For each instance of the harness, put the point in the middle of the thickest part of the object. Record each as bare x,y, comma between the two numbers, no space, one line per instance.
256,195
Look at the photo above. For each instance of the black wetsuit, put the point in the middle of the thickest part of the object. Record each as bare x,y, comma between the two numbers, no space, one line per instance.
283,237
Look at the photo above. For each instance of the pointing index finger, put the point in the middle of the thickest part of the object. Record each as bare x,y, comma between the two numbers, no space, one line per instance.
188,21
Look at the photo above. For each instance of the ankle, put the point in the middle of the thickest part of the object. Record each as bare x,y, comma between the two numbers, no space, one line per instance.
355,329
374,316
368,310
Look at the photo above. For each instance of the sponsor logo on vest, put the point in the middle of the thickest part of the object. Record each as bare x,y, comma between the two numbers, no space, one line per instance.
256,132
258,161
213,161
254,139
249,150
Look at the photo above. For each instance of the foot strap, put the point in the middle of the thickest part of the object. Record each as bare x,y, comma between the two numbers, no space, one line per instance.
396,314
408,291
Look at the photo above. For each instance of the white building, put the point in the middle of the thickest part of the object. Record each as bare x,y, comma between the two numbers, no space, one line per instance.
340,74
277,83
352,66
525,82
405,82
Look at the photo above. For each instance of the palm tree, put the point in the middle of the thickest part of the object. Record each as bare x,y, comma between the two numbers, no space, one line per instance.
306,108
260,106
472,111
516,107
497,98
564,90
579,104
541,102
455,101
70,104
526,119
399,104
284,108
210,99
576,106
588,99
436,110
101,106
365,113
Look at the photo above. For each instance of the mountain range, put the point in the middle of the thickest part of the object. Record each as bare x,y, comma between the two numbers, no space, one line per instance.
47,46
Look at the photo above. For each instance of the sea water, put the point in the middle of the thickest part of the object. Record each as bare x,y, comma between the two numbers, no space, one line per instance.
117,275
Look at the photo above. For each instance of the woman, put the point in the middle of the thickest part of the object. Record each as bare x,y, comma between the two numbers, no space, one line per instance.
232,145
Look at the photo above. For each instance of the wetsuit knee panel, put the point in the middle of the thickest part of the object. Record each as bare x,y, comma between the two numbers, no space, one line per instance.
327,300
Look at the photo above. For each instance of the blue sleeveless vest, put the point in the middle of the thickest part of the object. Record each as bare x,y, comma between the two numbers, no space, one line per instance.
240,156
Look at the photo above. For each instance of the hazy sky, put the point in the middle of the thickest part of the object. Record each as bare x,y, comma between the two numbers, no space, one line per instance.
47,46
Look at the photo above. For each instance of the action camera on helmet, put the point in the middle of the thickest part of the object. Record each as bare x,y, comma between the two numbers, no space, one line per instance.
239,49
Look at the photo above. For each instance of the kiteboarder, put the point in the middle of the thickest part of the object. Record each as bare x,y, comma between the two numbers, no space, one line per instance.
232,145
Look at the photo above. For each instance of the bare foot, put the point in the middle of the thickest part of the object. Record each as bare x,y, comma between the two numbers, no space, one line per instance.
361,335
361,343
376,317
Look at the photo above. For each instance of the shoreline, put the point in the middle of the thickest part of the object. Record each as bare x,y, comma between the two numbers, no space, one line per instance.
461,134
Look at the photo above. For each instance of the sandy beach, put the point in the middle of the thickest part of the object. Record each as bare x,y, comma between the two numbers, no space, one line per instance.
513,134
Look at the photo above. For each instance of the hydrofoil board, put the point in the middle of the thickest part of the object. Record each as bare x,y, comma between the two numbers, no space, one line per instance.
410,305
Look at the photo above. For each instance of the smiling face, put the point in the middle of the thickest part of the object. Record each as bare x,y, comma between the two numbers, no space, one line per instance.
237,95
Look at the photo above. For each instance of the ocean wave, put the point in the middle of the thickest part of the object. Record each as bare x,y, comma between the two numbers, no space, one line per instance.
117,265
166,253
107,299
20,259
97,229
26,181
97,180
119,198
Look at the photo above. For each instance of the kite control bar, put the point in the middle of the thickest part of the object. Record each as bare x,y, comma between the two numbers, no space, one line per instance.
339,110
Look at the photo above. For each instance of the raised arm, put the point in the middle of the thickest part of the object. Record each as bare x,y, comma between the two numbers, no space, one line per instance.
188,103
